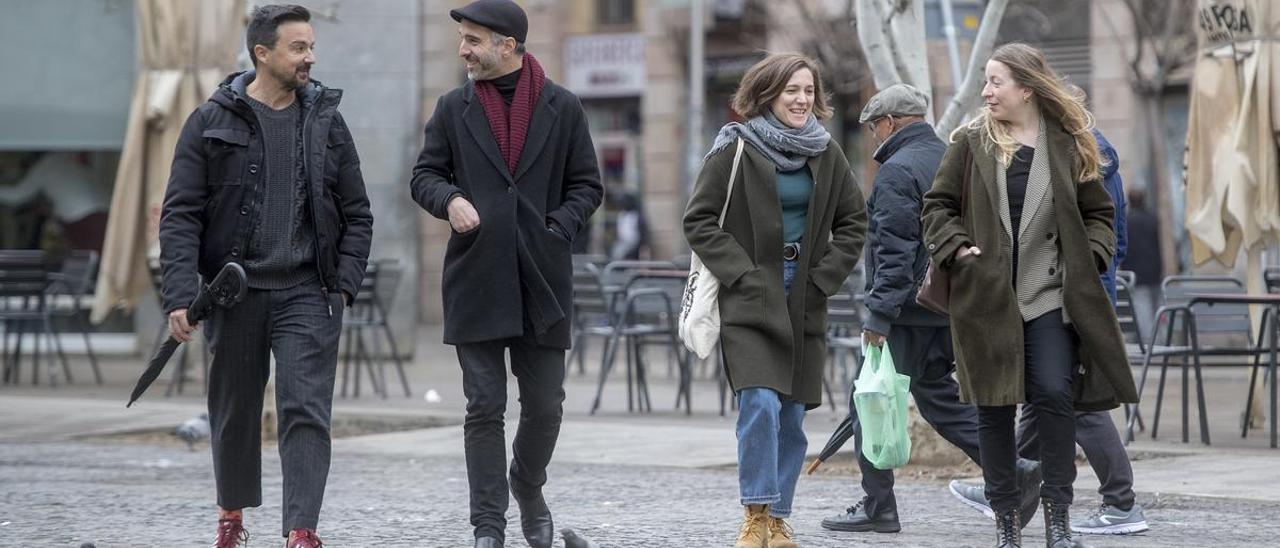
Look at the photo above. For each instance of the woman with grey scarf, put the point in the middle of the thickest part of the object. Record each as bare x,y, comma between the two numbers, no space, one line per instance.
791,232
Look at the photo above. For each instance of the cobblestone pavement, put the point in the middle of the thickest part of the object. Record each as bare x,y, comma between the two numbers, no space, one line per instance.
129,494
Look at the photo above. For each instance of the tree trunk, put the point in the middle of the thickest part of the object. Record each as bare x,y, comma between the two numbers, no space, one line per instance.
967,93
875,43
1159,185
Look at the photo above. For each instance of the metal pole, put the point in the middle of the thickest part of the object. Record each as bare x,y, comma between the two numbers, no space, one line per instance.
697,94
953,48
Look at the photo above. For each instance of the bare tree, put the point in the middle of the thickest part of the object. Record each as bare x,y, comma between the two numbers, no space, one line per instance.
966,96
1163,41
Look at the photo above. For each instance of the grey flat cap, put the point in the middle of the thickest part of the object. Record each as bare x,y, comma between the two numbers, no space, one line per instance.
895,100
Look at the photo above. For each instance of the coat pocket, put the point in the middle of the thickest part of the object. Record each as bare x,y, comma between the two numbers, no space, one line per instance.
227,152
743,304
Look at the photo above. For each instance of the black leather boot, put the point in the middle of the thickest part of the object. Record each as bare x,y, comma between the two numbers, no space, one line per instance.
1057,526
1009,529
535,517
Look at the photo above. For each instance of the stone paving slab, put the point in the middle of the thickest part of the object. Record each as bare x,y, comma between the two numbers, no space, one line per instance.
114,494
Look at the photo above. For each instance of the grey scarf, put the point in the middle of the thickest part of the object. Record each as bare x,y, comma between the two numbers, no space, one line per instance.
789,148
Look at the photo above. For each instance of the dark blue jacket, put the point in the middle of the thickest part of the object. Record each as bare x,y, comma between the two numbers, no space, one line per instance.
895,257
1115,187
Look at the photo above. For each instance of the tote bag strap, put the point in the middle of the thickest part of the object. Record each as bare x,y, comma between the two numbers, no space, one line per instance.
733,175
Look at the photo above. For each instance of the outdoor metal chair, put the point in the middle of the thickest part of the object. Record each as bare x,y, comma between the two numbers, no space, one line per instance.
647,315
1196,332
24,280
369,313
68,288
592,311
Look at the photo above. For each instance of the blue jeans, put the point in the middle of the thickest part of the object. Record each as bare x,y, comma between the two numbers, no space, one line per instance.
771,448
788,274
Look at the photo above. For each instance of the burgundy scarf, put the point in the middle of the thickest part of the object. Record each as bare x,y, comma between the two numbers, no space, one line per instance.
509,126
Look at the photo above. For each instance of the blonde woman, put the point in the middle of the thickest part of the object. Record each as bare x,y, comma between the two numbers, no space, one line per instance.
793,232
1024,246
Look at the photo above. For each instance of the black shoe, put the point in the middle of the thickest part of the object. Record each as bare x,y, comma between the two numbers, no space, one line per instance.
856,520
1029,481
535,517
1057,528
488,542
1008,533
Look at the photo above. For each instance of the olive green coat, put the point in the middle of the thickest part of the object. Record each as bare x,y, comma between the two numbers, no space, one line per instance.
767,339
986,325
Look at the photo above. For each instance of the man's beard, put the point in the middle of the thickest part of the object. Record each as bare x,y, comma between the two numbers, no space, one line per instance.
290,80
484,67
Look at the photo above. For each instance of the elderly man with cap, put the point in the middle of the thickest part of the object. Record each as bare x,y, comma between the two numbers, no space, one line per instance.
508,162
919,340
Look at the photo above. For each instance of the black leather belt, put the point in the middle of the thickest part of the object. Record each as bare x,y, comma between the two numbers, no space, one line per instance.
791,252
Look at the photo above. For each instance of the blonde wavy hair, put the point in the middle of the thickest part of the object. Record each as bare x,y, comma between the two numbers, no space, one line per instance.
1056,100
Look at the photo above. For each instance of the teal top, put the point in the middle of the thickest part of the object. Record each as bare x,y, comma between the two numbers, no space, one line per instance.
794,190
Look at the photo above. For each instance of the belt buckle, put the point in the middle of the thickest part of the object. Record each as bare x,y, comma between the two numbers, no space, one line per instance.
790,252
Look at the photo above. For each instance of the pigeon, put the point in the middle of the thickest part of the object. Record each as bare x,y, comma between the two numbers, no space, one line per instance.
572,540
193,430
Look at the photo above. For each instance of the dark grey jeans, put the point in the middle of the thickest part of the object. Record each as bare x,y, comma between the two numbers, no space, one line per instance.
539,373
300,327
1096,434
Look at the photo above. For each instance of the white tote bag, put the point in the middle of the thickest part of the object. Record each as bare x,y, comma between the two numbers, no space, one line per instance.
700,306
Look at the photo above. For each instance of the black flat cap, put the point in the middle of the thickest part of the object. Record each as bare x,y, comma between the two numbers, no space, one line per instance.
501,16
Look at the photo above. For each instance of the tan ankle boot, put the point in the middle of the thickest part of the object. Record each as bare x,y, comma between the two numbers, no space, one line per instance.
780,534
754,532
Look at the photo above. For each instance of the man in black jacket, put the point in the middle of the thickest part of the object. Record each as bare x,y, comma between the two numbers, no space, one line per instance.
508,161
265,174
896,259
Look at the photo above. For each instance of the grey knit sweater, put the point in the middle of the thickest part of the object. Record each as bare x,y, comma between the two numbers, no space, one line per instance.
281,252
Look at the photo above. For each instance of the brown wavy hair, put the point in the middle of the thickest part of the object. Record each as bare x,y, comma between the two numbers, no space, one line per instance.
766,79
1055,99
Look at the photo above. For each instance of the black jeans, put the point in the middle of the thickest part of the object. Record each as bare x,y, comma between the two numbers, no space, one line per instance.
1097,435
300,328
1049,349
539,372
925,354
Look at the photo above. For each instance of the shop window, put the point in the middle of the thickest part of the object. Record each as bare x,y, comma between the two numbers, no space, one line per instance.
615,12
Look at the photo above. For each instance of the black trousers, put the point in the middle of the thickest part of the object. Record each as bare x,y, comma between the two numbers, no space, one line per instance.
1097,435
300,327
925,354
539,373
1049,349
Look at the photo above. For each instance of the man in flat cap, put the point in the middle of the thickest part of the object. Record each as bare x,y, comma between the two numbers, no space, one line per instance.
508,161
919,340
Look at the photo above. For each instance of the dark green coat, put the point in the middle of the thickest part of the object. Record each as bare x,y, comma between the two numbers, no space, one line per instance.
767,339
986,326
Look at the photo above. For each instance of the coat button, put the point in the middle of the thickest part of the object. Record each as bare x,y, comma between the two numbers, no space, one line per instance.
235,252
244,210
1049,236
1052,271
933,247
511,190
253,168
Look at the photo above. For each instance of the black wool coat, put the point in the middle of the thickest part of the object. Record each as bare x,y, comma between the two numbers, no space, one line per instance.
513,275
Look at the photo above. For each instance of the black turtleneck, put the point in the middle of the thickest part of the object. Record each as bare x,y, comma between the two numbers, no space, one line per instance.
506,85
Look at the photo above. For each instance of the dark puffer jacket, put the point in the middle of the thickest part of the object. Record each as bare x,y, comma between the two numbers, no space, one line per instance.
215,191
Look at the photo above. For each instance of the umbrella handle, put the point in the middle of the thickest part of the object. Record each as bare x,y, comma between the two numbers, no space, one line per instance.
813,466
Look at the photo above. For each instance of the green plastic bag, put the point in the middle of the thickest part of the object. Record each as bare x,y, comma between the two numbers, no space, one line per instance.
880,396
